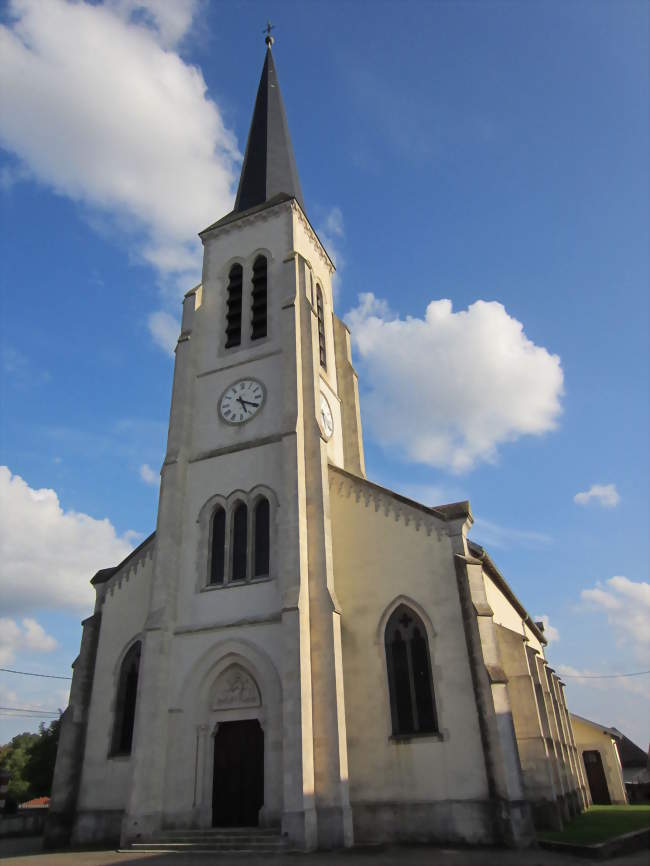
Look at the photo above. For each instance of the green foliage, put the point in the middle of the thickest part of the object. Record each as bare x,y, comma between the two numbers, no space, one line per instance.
30,760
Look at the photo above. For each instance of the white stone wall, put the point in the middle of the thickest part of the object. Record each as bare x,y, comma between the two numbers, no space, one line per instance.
384,554
104,780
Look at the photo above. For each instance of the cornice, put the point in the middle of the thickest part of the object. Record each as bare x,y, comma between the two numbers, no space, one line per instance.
400,509
320,249
126,569
261,215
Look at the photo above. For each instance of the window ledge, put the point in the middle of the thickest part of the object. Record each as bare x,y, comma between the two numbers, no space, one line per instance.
120,756
235,584
428,736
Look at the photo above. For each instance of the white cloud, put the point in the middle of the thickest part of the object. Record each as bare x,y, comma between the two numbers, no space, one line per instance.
99,107
490,534
601,494
331,233
48,554
334,222
170,18
30,637
164,329
550,632
627,606
148,475
449,389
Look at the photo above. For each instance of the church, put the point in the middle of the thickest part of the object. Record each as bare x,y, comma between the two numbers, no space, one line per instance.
297,650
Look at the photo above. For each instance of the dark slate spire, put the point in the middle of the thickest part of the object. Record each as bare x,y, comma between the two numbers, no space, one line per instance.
269,164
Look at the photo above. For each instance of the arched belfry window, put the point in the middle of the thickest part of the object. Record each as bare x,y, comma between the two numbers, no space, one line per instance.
412,703
258,299
321,327
239,545
217,545
234,301
261,539
127,691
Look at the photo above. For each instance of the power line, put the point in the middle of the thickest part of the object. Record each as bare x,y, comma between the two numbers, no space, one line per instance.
602,676
30,674
22,716
30,710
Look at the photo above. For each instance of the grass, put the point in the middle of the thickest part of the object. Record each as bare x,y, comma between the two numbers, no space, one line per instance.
600,823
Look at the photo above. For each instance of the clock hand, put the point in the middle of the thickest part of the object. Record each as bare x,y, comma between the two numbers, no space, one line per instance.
248,402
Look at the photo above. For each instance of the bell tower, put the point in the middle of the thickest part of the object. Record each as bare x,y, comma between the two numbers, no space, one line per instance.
264,398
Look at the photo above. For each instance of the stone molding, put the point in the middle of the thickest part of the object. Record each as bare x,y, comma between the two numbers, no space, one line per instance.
131,567
260,216
372,497
318,246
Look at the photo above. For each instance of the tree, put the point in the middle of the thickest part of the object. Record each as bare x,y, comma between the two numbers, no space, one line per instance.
30,760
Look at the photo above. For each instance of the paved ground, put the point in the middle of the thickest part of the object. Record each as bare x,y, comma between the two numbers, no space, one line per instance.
28,852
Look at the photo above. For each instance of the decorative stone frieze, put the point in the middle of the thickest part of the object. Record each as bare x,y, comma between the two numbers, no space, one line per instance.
372,497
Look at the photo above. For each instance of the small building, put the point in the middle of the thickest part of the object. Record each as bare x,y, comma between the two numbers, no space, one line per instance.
36,803
636,769
598,749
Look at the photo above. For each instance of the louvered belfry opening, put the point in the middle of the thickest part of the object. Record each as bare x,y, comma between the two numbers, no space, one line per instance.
321,328
233,315
258,301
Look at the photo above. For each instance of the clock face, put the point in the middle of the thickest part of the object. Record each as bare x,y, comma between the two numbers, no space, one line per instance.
241,401
326,420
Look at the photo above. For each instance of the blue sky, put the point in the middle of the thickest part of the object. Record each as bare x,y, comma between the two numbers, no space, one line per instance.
488,152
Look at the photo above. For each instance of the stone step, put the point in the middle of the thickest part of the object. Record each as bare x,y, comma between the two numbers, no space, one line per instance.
253,840
221,831
238,840
223,848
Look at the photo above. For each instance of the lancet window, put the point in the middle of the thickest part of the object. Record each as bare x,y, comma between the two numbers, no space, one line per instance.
234,302
218,545
240,542
321,327
261,547
258,299
412,701
125,701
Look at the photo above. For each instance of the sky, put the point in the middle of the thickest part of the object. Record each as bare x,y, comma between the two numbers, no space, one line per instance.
478,172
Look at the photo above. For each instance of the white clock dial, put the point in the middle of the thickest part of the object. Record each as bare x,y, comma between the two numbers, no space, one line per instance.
326,420
241,401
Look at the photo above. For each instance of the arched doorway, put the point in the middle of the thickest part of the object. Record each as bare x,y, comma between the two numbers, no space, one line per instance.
238,778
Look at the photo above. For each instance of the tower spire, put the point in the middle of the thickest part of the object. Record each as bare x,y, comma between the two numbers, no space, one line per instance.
269,167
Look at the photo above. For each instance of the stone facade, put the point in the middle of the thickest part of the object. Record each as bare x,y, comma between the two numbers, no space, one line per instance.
301,649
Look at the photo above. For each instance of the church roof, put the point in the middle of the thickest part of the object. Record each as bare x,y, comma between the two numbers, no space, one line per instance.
269,164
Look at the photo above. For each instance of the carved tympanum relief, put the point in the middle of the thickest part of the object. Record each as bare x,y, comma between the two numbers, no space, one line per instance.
235,688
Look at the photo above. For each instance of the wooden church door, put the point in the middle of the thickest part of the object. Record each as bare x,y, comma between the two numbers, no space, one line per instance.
596,778
238,786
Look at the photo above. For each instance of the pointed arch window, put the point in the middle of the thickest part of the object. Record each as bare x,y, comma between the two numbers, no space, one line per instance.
412,701
258,299
261,540
320,312
218,545
234,301
239,541
127,692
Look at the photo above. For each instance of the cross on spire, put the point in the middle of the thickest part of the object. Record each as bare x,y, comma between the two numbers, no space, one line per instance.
269,39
